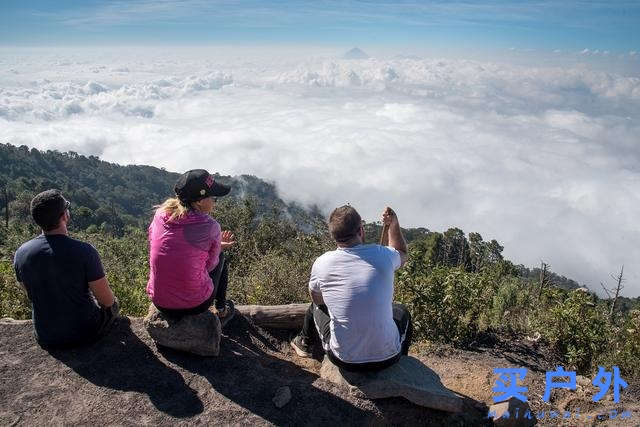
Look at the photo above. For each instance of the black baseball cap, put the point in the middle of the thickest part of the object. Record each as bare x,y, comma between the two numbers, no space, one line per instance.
46,208
197,184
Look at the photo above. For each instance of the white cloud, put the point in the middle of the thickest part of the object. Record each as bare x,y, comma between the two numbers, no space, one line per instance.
543,159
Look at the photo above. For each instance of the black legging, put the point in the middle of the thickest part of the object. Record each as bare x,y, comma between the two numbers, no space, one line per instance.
220,278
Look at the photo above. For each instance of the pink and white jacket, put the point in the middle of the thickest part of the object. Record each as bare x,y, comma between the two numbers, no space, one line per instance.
182,252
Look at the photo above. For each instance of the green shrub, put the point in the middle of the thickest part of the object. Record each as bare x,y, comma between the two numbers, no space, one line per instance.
574,325
126,264
271,260
510,305
624,347
275,279
14,302
446,303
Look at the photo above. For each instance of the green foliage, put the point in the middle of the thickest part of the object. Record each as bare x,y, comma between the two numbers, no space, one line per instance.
109,196
99,191
624,346
577,327
275,279
510,304
457,287
14,302
15,236
445,303
112,206
453,249
126,263
373,231
271,260
452,305
533,276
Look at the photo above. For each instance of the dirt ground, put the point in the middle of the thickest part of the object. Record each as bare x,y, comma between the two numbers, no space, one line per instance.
125,379
470,373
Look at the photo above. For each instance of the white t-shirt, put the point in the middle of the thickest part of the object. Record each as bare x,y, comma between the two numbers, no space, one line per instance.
357,286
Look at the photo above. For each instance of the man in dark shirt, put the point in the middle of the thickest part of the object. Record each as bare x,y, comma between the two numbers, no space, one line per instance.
72,302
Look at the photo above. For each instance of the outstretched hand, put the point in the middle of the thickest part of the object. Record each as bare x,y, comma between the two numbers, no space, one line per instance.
228,239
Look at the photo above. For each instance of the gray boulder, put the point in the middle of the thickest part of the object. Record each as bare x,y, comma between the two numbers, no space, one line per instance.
199,334
408,378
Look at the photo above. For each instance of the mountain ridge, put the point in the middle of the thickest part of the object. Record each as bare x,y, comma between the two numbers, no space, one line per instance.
108,193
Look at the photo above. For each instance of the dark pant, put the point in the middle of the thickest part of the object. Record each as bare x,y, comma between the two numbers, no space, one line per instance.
220,278
317,320
108,316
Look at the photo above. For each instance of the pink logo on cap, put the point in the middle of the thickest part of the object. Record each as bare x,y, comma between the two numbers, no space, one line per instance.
209,181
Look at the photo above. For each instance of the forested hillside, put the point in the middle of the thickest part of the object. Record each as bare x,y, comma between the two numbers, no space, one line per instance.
109,196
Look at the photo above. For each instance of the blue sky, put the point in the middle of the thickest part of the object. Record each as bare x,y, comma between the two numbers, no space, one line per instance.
540,25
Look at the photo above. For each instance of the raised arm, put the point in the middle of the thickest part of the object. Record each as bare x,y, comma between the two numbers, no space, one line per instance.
394,233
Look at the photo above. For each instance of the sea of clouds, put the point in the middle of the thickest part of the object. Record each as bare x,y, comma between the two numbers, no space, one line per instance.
544,159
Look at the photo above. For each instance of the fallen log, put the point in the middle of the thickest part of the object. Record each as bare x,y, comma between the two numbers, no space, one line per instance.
289,316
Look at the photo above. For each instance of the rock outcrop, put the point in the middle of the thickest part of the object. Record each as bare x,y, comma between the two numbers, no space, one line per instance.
125,379
408,378
199,334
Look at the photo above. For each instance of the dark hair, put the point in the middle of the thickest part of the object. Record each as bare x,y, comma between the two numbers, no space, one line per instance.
47,207
344,223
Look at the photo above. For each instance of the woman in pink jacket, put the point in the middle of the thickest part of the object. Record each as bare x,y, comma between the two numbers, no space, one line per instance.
188,269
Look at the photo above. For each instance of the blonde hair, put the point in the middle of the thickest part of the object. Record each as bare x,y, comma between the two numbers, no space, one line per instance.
174,208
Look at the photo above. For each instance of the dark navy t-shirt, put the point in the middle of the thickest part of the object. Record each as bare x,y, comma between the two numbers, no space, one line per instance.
56,270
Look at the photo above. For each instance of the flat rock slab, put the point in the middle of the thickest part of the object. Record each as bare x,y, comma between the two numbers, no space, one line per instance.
124,379
199,334
408,378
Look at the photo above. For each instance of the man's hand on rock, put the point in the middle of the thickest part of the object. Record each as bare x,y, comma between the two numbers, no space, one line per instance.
228,239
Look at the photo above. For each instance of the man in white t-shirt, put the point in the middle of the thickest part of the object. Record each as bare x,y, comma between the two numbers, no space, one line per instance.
352,297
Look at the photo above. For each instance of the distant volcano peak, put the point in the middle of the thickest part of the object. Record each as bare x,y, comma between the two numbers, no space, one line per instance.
355,53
